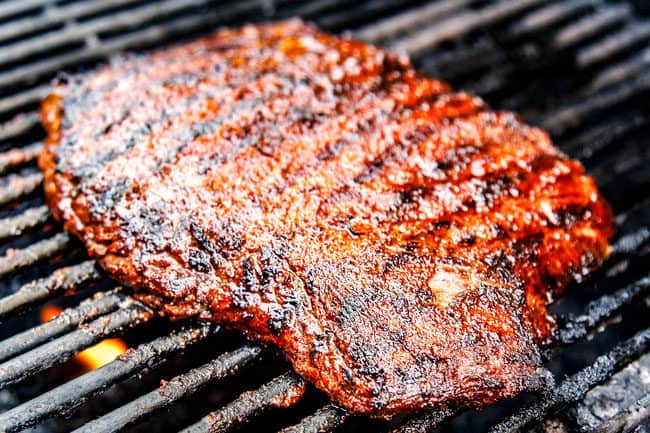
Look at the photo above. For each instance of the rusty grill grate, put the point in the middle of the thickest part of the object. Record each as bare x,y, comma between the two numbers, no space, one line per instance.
577,67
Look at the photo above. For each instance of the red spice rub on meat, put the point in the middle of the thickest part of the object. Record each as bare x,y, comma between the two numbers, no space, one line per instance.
396,240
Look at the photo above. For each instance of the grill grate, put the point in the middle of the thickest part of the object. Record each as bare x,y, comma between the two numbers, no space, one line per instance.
563,64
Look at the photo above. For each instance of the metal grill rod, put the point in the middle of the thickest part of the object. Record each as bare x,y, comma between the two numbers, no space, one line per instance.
424,422
599,137
63,348
170,392
621,71
90,309
17,186
564,118
19,156
599,310
459,25
73,393
15,260
13,8
58,15
575,388
19,224
19,125
32,96
283,391
408,20
61,280
344,18
79,32
613,44
325,419
627,421
155,33
591,25
547,16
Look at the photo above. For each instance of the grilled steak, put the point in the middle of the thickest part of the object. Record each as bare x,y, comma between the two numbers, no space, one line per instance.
396,240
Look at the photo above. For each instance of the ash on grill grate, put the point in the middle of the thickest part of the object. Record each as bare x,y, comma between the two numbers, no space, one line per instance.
577,66
620,402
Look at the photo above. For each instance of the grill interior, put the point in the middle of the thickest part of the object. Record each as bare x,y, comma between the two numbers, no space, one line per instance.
579,68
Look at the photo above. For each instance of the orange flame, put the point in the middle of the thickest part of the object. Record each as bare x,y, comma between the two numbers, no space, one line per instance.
95,356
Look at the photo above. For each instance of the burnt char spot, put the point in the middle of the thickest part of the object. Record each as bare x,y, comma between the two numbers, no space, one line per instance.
241,298
105,201
152,225
107,128
198,260
500,264
568,215
271,264
86,172
249,277
330,151
467,239
280,319
398,260
409,197
199,235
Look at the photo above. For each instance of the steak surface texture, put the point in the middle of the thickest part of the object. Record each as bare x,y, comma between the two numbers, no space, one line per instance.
397,241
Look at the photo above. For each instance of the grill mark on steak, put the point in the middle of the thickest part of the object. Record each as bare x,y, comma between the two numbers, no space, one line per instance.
397,241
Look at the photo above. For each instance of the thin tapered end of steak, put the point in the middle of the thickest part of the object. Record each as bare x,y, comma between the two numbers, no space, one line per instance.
398,242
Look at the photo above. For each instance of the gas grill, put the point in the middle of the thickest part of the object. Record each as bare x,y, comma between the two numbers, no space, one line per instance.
578,68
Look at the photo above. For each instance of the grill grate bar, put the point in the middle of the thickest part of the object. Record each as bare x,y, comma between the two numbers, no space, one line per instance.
90,309
570,115
130,314
60,15
345,18
17,186
19,224
613,44
548,16
172,391
463,61
397,24
79,32
15,260
283,391
629,419
316,8
575,388
16,157
72,394
19,125
621,71
13,8
325,419
600,310
593,140
61,280
155,33
32,97
424,422
634,230
459,25
605,18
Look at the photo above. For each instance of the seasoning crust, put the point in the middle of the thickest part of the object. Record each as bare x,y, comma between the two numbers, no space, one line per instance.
396,240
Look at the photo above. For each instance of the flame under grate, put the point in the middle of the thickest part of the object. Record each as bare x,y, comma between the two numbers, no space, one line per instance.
577,67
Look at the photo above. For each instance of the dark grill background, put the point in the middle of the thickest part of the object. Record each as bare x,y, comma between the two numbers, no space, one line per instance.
579,68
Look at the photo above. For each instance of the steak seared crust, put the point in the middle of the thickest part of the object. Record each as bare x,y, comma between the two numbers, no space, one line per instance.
397,241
